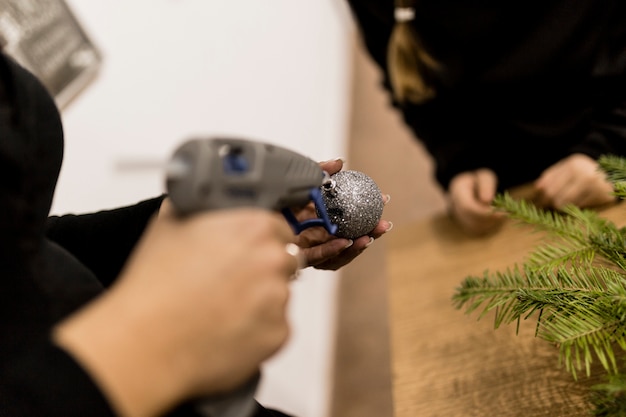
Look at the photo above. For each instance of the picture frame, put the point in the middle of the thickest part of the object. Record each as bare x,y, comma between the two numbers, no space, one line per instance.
45,37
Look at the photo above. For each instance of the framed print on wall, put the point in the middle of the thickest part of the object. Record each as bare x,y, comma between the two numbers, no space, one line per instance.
45,37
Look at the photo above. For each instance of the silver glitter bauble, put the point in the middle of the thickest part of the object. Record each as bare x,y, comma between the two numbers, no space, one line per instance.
353,202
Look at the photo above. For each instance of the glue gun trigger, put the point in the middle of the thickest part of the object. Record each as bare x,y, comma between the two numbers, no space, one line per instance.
323,221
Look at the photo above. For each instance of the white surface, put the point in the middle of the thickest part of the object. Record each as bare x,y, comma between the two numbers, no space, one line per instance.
276,71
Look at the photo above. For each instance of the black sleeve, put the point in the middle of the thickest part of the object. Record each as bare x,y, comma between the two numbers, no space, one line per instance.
103,240
45,381
608,130
607,135
440,128
507,92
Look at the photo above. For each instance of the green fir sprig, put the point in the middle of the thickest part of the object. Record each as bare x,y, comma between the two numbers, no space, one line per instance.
615,169
573,283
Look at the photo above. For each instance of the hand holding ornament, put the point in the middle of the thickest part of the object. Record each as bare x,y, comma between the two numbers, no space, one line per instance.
331,252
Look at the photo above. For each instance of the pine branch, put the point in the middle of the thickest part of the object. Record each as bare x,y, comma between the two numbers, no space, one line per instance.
609,398
584,326
577,310
575,235
575,280
614,166
615,169
566,223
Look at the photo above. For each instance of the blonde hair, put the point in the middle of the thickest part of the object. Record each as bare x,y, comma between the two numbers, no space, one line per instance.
412,70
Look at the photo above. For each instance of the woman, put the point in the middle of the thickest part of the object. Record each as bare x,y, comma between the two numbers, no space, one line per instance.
132,311
506,93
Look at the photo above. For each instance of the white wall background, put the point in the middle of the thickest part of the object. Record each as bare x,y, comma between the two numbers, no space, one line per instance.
273,70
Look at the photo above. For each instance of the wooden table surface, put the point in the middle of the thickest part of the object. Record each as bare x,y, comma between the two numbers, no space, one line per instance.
448,363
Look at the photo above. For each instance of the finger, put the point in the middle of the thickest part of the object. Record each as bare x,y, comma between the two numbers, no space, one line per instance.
602,195
323,252
166,209
336,263
551,195
313,236
296,253
550,184
474,216
298,259
339,261
282,228
347,255
592,192
486,183
332,166
381,228
570,193
462,190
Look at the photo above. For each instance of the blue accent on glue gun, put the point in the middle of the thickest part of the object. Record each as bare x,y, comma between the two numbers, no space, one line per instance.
324,220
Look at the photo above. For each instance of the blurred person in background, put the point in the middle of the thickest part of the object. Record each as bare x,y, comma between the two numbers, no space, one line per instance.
504,94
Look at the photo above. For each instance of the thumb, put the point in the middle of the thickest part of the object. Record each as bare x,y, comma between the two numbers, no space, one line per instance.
486,185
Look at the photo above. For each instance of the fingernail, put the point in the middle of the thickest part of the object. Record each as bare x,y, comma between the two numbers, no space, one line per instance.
350,242
339,158
387,198
370,242
390,227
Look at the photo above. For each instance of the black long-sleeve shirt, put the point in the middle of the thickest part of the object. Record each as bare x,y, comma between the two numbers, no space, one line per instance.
526,82
40,281
52,266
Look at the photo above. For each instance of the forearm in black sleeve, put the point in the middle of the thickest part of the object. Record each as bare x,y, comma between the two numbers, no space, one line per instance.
608,134
103,240
431,124
608,128
44,381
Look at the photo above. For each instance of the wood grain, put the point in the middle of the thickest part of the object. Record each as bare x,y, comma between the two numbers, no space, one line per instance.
381,146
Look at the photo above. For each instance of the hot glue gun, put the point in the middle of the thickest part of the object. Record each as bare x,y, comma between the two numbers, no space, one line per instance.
219,173
222,173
